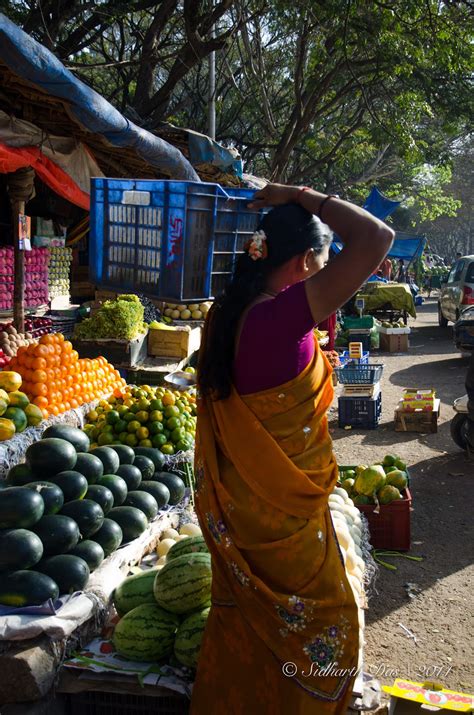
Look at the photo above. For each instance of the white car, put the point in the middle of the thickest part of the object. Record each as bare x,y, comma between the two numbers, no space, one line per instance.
458,291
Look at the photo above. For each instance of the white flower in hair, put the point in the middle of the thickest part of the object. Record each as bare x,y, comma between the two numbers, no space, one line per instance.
256,247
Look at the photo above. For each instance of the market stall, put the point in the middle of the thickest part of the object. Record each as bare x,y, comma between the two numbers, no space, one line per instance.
388,300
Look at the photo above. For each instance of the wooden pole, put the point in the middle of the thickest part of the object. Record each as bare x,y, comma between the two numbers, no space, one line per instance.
18,207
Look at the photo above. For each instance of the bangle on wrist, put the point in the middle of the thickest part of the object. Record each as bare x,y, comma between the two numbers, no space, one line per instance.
323,202
301,192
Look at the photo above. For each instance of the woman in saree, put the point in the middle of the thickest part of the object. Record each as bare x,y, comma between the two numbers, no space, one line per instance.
282,635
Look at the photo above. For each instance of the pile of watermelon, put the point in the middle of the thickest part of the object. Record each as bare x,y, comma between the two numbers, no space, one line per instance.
67,508
164,610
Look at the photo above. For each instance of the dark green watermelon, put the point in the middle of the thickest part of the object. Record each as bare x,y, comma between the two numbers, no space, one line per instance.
157,457
102,496
91,552
50,456
72,484
109,536
145,465
117,486
157,490
174,483
59,533
131,520
26,588
143,501
87,514
79,440
126,454
20,508
19,475
108,457
71,573
131,475
90,466
19,549
51,494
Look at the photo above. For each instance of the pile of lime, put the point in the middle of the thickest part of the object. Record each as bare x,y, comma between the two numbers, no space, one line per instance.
145,417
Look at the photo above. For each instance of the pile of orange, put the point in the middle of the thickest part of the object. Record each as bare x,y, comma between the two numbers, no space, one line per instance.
56,379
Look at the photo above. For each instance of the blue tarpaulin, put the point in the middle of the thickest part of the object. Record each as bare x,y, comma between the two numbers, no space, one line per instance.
33,62
379,205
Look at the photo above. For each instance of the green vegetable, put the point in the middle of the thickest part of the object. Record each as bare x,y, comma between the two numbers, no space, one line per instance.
121,319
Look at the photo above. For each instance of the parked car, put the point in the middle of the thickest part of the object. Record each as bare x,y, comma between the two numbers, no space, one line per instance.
457,292
463,330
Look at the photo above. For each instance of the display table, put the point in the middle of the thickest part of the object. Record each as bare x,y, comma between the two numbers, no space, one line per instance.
32,649
388,297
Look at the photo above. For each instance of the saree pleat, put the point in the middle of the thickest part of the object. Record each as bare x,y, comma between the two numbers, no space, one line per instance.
280,594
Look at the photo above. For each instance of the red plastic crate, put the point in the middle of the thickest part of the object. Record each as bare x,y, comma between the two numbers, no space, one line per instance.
390,528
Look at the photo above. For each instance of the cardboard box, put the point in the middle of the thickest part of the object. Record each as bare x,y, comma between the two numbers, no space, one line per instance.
179,342
411,698
397,343
418,420
120,353
418,399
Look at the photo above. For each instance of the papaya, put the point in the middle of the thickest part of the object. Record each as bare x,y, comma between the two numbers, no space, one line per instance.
10,381
4,395
18,399
3,406
18,418
33,415
7,429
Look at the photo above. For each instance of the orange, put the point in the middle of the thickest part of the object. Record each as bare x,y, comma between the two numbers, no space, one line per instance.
61,407
45,413
54,410
47,339
40,364
74,403
67,406
40,401
39,388
39,376
41,351
168,399
67,346
74,355
29,362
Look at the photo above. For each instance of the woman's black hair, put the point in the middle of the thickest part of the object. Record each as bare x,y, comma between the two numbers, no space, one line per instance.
290,231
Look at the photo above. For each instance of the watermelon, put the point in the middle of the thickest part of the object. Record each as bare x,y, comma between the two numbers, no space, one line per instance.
87,514
174,483
134,591
184,583
19,549
27,588
143,501
79,440
125,453
108,457
20,507
71,573
102,496
59,533
51,494
116,485
50,456
72,484
109,536
18,417
145,465
90,466
187,643
132,521
145,633
192,545
157,490
131,475
156,456
91,552
19,475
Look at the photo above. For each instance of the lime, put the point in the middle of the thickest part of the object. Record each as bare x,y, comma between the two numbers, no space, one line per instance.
173,423
128,416
155,427
112,417
156,416
123,437
144,404
159,440
189,437
191,370
135,408
167,448
122,409
142,433
142,416
177,435
131,440
120,426
171,411
133,426
105,438
145,443
92,416
156,404
182,446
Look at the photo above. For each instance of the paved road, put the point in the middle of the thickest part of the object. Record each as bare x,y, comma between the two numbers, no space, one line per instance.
441,615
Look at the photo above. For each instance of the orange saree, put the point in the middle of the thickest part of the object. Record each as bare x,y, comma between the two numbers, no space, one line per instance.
282,633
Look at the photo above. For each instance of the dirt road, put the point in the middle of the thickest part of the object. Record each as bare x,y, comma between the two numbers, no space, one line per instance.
441,615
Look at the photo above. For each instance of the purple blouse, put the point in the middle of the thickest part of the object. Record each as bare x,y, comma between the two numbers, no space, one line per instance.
276,342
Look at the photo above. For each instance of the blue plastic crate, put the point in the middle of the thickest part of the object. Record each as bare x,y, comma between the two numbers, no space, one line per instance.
354,374
363,338
344,359
176,240
363,412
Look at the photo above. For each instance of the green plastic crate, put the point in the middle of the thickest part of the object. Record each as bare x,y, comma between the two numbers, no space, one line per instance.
352,322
